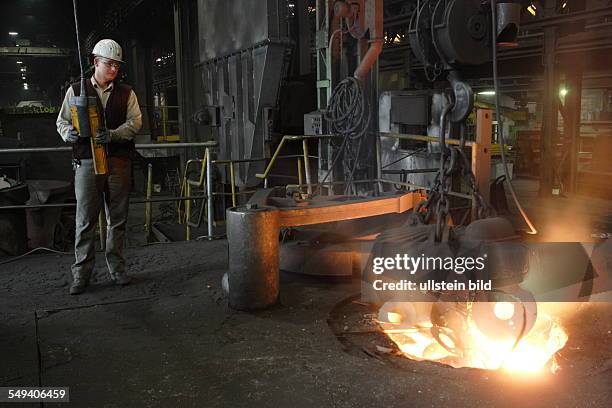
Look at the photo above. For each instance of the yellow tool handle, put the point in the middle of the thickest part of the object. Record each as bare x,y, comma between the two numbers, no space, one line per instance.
75,117
98,151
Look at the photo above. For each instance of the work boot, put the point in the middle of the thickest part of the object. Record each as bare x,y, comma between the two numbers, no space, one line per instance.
122,280
77,287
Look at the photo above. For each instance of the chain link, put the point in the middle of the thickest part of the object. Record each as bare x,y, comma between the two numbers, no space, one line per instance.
453,161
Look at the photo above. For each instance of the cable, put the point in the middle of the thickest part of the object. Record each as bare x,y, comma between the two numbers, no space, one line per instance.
421,150
76,27
349,115
500,128
32,251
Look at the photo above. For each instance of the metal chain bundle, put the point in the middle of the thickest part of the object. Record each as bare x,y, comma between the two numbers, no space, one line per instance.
453,160
349,114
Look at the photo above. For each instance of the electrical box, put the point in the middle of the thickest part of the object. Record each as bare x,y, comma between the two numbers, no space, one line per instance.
315,123
401,109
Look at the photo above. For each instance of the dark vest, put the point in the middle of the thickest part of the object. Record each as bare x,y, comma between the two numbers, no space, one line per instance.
113,116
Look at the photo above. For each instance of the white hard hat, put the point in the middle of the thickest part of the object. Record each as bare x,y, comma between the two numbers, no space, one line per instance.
108,49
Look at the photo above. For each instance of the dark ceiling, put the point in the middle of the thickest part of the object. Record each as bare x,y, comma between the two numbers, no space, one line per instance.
50,23
39,23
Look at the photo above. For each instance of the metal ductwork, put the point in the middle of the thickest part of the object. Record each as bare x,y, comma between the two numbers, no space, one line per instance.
243,62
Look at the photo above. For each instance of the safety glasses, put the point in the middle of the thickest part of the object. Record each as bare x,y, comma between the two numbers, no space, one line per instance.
110,64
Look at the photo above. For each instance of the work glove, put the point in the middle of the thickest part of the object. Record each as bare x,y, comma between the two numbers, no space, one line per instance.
73,135
103,136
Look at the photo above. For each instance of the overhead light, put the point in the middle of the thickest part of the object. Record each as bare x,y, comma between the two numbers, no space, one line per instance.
20,62
486,93
13,33
158,60
563,92
532,9
25,86
564,5
24,69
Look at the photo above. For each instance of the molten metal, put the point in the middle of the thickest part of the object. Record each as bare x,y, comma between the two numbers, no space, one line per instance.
464,341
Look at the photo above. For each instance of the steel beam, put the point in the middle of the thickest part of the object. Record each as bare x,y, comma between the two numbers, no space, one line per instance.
34,52
330,211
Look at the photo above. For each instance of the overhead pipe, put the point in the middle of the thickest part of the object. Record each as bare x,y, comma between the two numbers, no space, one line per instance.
362,16
369,59
373,22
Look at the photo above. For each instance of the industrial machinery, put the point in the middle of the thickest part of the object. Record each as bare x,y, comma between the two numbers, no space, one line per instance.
355,158
243,63
349,107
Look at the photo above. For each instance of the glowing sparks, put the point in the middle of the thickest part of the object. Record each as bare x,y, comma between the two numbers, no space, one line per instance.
504,310
467,346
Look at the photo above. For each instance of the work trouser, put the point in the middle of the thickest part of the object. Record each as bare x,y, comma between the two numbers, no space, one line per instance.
91,191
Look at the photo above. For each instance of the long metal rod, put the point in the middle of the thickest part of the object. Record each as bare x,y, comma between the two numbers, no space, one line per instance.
379,186
423,138
412,171
307,166
382,180
67,205
187,213
78,40
102,228
299,169
272,160
275,156
237,193
288,156
417,187
233,184
148,205
138,147
209,193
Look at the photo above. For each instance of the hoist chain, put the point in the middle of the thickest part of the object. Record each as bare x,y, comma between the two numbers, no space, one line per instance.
453,161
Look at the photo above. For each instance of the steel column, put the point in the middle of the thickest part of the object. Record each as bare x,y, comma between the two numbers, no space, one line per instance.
184,68
571,121
303,23
551,112
481,151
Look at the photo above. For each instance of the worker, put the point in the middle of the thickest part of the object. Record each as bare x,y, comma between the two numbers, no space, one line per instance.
121,119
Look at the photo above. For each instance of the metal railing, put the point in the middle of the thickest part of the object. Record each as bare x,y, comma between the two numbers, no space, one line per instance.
147,201
140,146
275,156
205,182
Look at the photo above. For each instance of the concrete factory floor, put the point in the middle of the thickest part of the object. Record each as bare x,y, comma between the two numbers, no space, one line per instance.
170,341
